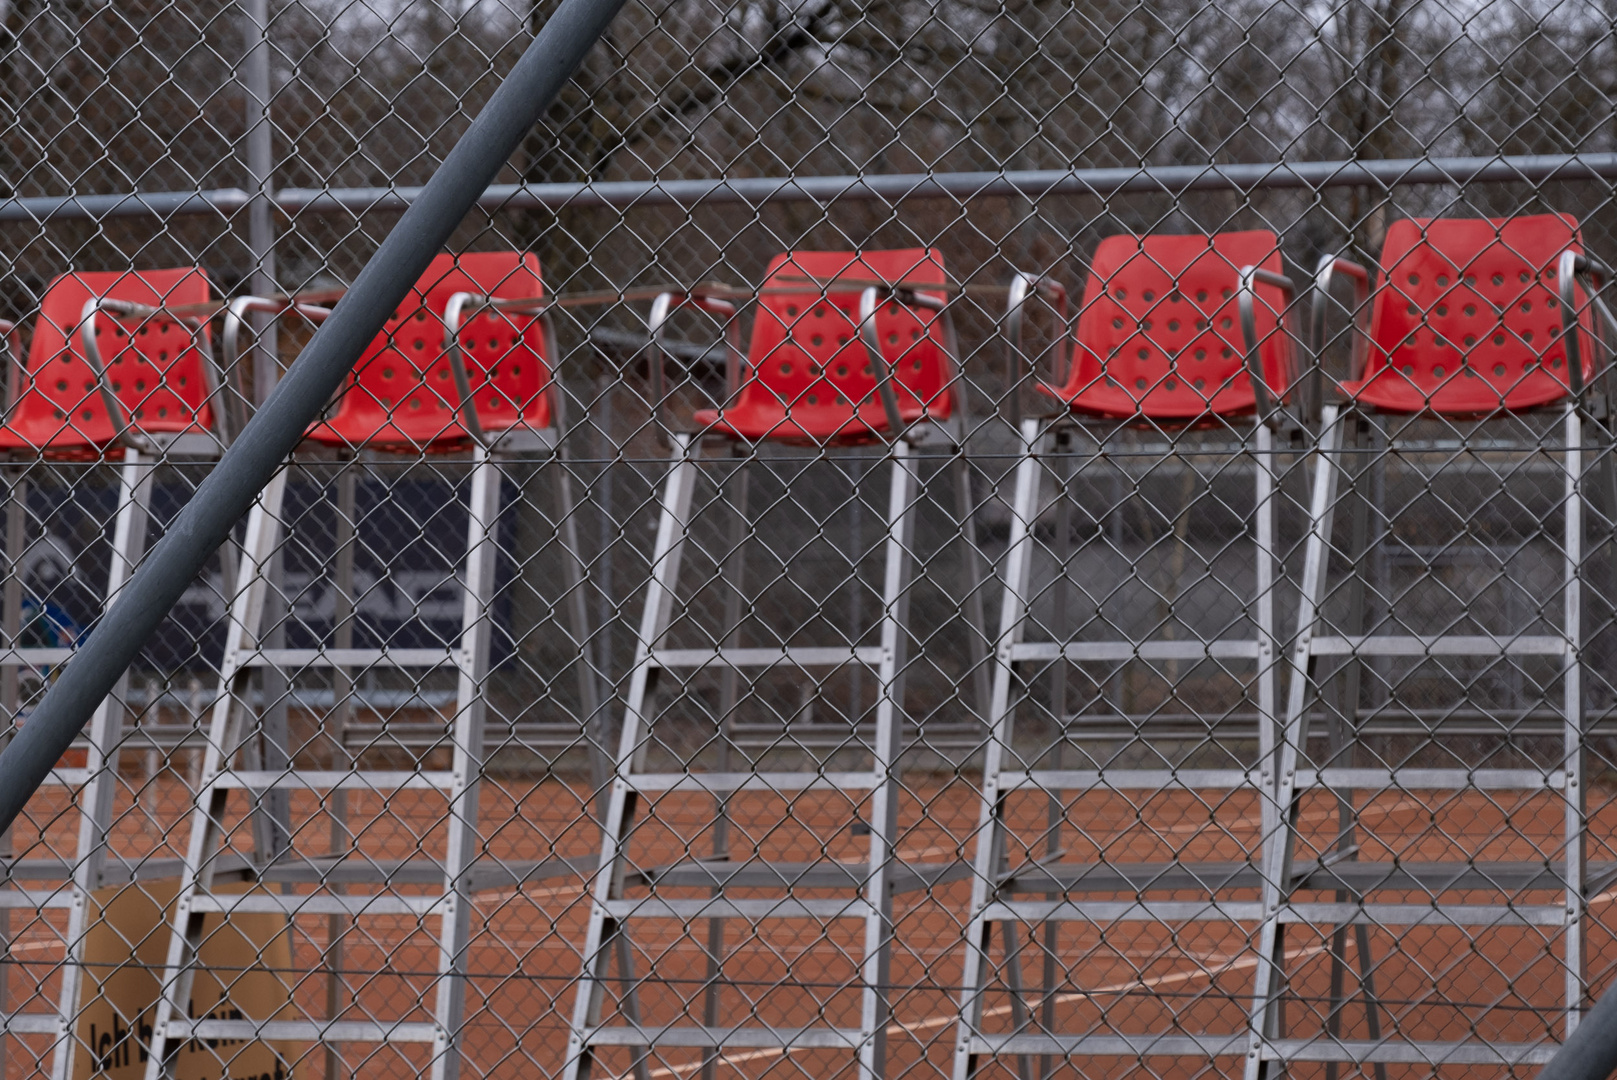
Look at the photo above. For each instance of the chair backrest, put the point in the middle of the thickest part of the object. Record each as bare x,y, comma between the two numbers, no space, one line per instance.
1159,335
154,365
1465,318
402,390
805,356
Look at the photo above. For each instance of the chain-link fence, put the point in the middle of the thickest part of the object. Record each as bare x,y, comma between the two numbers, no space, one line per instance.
899,540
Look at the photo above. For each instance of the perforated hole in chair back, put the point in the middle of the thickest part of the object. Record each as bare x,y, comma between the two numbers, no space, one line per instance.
402,392
807,375
1466,319
1159,335
153,364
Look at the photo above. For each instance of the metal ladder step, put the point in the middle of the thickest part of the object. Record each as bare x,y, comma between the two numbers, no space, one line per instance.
793,656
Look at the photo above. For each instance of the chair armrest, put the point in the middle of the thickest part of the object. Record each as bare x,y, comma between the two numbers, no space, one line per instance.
127,310
1573,268
1325,276
1247,298
14,361
662,308
236,313
1024,285
463,305
870,300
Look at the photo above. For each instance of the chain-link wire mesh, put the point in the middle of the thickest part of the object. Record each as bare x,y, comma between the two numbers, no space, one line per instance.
900,540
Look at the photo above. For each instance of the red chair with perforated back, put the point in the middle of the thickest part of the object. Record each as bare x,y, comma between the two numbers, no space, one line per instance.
1170,335
1465,319
1159,336
147,380
405,395
809,376
847,349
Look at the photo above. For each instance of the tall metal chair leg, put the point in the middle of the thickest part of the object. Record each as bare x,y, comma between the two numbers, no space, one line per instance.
342,712
976,575
1264,1022
989,855
1575,813
604,937
877,966
734,574
224,736
101,761
591,664
1055,809
471,713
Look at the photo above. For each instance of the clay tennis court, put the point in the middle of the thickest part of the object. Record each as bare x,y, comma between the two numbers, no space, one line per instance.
1438,983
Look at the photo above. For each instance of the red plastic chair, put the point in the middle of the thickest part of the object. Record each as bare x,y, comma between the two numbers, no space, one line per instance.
432,382
1160,335
156,387
1465,320
811,376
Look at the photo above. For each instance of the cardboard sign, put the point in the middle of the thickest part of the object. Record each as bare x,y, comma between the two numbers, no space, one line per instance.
243,973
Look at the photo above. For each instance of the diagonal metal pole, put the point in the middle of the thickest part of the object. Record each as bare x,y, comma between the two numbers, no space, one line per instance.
275,429
1590,1052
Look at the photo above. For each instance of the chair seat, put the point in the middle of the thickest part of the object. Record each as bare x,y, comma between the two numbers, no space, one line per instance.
1106,399
434,433
62,440
755,421
1461,395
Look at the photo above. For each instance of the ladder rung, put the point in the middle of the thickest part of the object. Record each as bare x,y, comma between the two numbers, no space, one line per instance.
1105,911
1402,1052
331,780
36,898
33,656
1080,651
707,783
387,658
372,1031
67,778
727,1038
1111,1045
1438,645
1433,779
317,904
31,1023
1127,779
1330,914
720,908
787,656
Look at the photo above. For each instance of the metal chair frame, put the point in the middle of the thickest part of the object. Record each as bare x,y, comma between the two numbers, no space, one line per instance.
994,882
143,452
883,874
470,659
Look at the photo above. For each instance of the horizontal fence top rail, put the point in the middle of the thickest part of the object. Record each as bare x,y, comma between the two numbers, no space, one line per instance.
1030,184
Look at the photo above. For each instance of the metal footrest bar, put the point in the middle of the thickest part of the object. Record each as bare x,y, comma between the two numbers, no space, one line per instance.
354,658
1079,652
791,656
714,783
378,780
719,1038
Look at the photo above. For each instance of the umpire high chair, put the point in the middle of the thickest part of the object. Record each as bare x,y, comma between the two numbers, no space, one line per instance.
465,366
847,350
120,369
1473,326
1183,339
